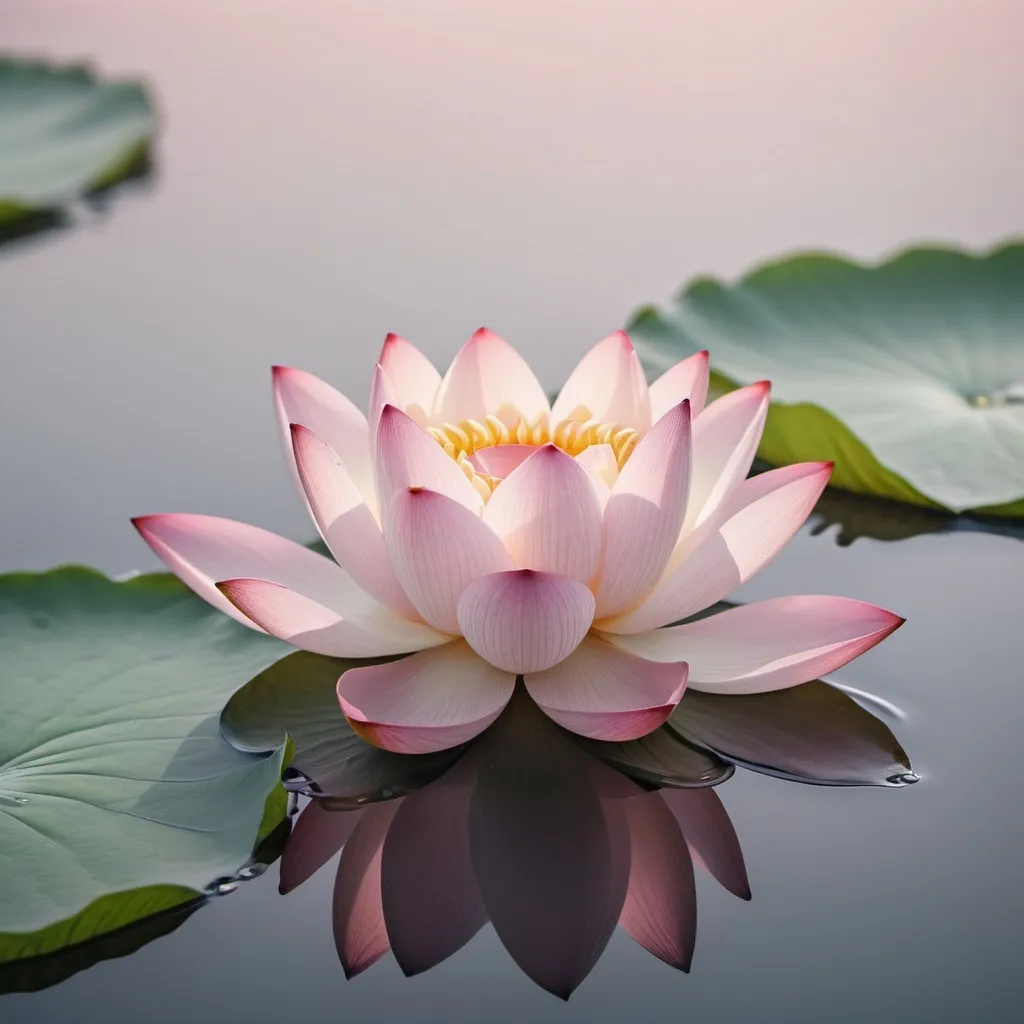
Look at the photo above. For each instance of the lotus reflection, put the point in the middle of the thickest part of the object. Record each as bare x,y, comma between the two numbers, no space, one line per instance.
555,841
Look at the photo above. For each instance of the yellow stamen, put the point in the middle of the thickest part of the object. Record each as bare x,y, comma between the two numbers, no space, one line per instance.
573,436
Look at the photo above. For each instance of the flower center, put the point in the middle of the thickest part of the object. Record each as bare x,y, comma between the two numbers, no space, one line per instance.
572,436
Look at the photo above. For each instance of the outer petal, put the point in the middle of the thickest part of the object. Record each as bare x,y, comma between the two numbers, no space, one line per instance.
317,836
299,397
548,516
725,440
768,645
605,693
429,701
407,456
345,521
486,376
660,912
412,376
438,547
367,631
609,385
645,513
359,932
523,620
382,393
685,380
201,550
761,517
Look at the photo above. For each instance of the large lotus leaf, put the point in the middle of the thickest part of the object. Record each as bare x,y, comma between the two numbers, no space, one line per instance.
63,132
113,772
908,375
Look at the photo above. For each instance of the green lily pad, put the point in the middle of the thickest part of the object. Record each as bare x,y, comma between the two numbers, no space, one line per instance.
63,133
113,773
909,375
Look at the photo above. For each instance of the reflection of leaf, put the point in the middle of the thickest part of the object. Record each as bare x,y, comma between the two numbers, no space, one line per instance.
64,133
909,375
109,927
113,772
809,733
859,515
297,696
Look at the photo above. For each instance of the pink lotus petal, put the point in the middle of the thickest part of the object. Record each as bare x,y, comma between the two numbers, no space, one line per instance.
597,692
645,513
432,904
316,837
725,440
524,620
710,835
761,516
487,376
429,701
438,548
201,550
345,522
609,384
660,911
600,462
299,397
502,459
382,393
407,456
768,645
547,515
412,376
369,631
685,380
359,932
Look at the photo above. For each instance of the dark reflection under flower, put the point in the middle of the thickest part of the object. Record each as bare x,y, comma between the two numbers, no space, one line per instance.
552,838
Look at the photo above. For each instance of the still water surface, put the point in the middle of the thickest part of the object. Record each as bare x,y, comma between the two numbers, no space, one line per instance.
328,175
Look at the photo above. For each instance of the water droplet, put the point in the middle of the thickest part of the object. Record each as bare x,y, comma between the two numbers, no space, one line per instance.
294,781
221,887
13,800
252,871
907,778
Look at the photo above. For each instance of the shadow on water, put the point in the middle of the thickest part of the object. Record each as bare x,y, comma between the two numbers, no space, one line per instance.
858,515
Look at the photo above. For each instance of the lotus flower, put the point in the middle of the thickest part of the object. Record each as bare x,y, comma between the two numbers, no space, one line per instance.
489,535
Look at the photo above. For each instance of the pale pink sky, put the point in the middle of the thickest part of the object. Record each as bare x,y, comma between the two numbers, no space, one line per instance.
331,170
